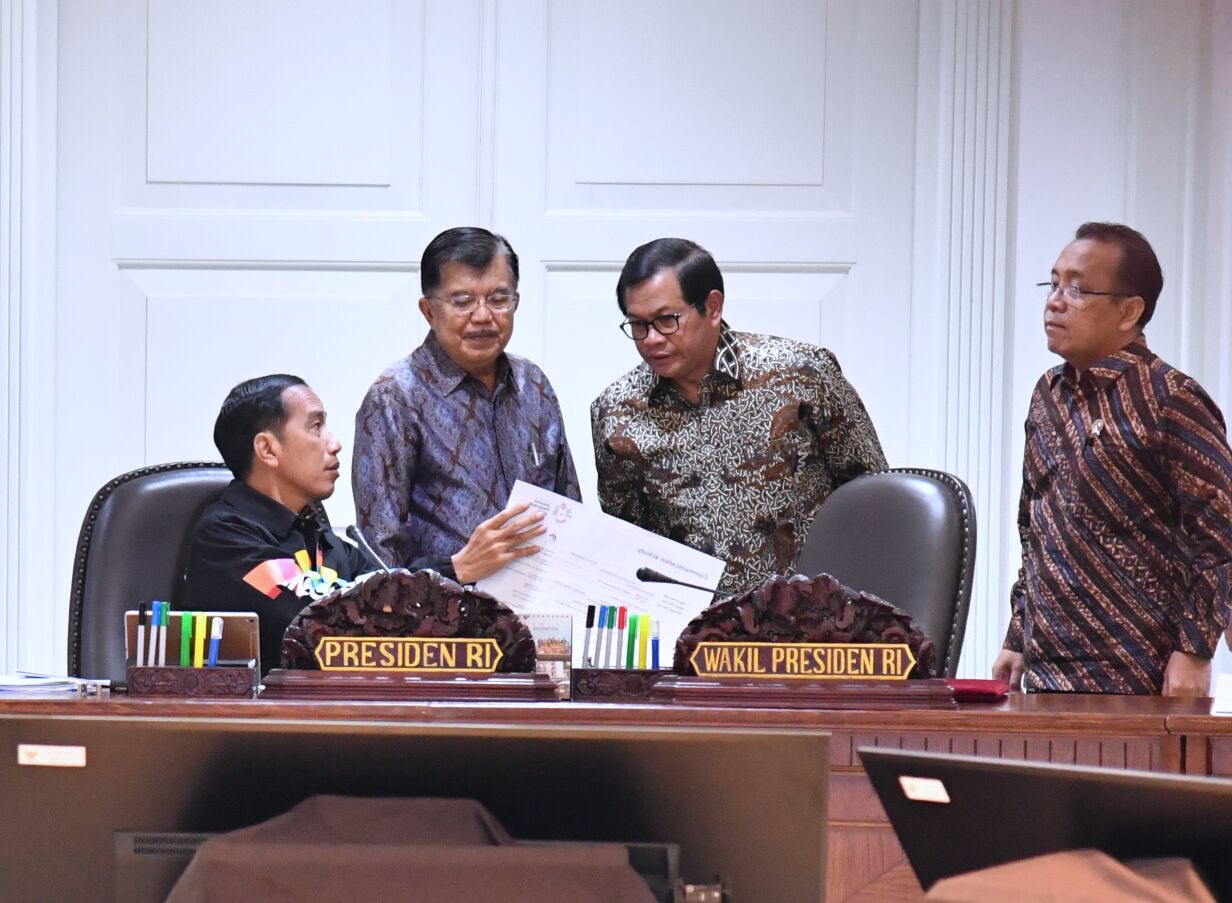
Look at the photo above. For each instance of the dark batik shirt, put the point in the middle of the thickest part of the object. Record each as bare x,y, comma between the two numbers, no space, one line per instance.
436,453
740,474
1126,526
251,553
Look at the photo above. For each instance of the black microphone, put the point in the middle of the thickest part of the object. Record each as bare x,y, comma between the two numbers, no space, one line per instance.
649,575
353,532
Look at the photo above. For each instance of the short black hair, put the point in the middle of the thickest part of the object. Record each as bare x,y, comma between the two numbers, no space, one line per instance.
469,245
251,407
696,270
1139,271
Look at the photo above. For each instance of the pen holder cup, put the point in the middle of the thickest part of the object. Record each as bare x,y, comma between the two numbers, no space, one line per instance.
615,684
236,681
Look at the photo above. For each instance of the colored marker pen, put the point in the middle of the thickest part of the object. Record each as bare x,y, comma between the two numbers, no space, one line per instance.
151,636
215,639
607,636
632,644
600,635
620,637
198,639
643,635
590,622
163,624
654,645
139,658
156,611
185,638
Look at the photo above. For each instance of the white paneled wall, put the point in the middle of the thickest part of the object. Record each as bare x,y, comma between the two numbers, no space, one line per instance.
197,193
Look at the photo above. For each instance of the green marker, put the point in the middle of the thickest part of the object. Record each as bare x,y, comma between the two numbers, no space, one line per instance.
632,641
185,638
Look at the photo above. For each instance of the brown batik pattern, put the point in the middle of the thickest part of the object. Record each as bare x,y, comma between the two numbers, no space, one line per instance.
740,474
1126,526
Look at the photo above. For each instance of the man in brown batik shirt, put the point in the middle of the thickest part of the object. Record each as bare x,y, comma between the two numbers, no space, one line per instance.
724,441
1126,508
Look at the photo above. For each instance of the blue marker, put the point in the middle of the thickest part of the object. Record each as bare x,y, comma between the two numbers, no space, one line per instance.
156,621
654,646
215,639
594,662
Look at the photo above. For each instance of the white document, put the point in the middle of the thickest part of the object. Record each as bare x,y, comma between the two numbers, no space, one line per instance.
591,558
1222,704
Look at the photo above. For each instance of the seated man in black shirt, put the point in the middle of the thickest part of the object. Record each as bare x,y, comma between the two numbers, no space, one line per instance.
266,544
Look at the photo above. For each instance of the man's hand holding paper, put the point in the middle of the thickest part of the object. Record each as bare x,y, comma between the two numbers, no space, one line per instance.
591,558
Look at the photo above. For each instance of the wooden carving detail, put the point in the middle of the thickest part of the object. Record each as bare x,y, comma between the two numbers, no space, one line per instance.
614,685
403,604
803,609
170,681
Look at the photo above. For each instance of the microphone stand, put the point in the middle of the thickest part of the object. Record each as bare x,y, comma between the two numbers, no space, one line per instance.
353,532
650,575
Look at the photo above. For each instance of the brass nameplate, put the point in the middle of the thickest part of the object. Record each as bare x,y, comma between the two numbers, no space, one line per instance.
409,654
804,661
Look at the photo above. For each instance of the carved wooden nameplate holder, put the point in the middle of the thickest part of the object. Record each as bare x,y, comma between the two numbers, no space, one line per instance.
798,642
614,684
408,636
231,681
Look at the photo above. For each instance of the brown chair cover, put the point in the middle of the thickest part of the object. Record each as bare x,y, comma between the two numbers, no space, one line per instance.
331,848
1076,876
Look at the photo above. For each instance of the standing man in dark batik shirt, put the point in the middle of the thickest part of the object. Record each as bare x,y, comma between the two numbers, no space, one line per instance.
1126,508
443,434
724,441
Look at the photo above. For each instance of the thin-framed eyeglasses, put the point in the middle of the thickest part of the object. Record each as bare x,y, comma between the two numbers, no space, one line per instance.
639,329
1073,294
499,302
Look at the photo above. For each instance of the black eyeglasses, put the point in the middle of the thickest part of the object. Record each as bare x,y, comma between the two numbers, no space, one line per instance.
640,329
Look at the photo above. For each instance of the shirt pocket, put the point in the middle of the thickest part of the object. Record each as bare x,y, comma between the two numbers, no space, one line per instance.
1117,485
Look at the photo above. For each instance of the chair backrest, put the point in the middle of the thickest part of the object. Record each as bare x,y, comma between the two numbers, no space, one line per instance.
907,536
133,547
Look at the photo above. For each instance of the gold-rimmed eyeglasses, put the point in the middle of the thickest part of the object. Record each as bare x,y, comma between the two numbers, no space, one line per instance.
499,302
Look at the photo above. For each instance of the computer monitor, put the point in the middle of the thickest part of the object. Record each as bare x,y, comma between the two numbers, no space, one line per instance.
749,805
956,814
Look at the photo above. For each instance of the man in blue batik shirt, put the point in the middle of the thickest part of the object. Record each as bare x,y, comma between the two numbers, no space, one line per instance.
443,434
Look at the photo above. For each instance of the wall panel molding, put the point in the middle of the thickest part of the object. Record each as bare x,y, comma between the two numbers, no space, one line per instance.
1216,357
958,316
11,78
27,319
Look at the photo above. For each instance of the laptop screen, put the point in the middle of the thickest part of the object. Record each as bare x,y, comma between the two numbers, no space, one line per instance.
956,814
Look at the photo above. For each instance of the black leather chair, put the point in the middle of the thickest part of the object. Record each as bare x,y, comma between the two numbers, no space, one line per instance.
907,536
133,547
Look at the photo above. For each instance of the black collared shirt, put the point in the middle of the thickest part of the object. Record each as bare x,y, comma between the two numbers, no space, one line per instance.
251,553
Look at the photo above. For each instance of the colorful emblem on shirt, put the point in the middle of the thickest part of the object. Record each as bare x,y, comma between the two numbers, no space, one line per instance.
296,574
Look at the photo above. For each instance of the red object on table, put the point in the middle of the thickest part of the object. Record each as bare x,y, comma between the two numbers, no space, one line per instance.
975,690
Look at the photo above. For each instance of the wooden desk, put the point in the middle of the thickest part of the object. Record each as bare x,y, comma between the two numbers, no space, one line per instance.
1207,741
865,860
